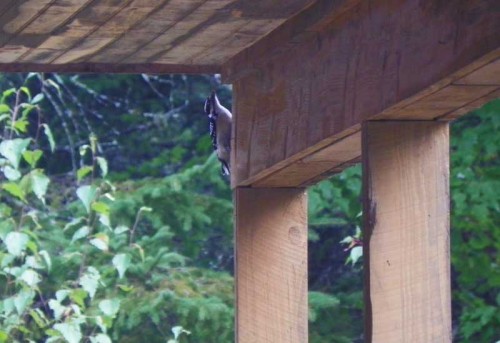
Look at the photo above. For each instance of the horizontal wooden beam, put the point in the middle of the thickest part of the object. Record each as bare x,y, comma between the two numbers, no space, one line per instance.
146,68
310,84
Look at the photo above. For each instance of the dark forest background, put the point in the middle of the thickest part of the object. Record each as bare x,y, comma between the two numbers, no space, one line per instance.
116,224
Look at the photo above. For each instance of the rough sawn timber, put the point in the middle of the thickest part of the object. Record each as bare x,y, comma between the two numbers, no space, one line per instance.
303,91
271,265
406,248
133,35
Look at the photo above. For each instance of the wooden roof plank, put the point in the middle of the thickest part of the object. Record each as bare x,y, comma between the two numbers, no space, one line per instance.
69,35
239,40
134,32
202,40
188,23
17,16
125,18
63,11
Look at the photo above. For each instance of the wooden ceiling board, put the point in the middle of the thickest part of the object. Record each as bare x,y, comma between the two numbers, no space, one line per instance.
90,34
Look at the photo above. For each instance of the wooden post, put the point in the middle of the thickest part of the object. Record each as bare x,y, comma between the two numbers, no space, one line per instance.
271,265
406,249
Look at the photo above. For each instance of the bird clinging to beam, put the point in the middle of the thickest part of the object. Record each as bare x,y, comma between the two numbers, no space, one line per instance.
219,119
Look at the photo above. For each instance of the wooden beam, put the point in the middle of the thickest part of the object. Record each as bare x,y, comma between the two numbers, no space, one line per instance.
406,232
312,82
109,68
271,265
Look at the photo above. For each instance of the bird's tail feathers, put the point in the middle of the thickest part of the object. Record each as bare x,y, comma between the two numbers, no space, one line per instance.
225,168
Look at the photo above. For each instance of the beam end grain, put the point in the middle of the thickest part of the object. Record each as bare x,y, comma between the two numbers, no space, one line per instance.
406,231
271,265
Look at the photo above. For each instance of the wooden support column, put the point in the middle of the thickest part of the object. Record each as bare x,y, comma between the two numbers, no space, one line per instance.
406,249
271,265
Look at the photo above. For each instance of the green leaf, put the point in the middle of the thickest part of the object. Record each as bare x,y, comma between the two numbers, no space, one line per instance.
40,183
121,263
7,93
178,330
74,222
3,336
110,307
15,190
37,98
22,300
126,288
86,194
346,240
83,149
11,174
101,208
82,232
12,150
82,172
121,229
6,226
31,278
16,243
21,125
50,137
90,280
57,308
78,296
46,258
141,251
39,318
355,254
27,108
62,294
103,165
26,91
100,241
70,331
32,157
100,338
145,209
104,220
4,108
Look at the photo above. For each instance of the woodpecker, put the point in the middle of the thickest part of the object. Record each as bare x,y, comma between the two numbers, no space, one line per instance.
219,123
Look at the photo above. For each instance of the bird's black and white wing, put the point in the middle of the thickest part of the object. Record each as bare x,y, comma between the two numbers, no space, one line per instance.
219,121
212,126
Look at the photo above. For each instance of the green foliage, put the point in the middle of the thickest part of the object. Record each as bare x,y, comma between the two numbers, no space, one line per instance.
475,234
98,267
129,238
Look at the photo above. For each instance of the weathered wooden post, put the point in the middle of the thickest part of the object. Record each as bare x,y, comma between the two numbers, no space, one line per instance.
406,232
271,265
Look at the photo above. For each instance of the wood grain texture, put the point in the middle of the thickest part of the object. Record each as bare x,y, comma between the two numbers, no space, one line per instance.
271,265
323,162
197,32
337,64
406,232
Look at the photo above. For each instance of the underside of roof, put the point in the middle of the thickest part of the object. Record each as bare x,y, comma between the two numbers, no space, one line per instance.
115,35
